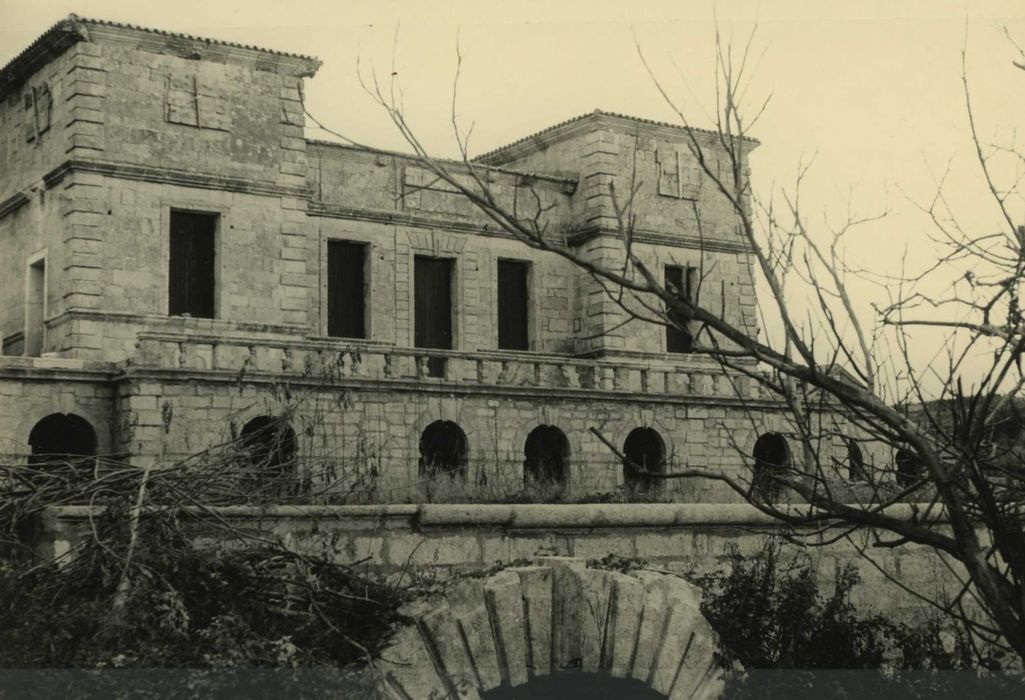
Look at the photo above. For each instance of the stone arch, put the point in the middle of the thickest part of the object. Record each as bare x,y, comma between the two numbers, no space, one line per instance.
62,437
771,455
444,450
33,413
554,618
646,448
546,454
269,452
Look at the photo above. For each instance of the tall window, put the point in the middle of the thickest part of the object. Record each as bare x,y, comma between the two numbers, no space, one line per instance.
192,273
680,281
346,289
512,305
432,292
35,308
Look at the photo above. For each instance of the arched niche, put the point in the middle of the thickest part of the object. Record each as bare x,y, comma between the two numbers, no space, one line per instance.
444,450
269,451
771,457
546,457
644,449
62,438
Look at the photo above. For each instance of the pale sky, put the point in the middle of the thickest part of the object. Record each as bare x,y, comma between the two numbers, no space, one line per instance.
872,89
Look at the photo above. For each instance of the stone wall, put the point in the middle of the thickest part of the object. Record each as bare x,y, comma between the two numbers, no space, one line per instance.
448,539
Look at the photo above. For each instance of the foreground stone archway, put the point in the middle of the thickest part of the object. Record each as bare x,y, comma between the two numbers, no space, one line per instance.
555,616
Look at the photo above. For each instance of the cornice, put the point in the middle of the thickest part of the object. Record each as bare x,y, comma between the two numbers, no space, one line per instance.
171,176
12,204
674,240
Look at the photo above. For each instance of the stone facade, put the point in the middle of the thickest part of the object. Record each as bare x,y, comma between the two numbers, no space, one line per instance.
107,131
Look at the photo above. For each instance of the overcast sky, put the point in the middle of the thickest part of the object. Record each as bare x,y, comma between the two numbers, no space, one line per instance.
872,89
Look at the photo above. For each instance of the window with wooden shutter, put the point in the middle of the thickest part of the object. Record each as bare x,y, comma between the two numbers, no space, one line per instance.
679,280
191,268
346,289
513,318
432,293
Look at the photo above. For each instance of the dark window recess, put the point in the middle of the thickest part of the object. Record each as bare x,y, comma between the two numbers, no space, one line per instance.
772,458
346,289
191,288
909,467
678,337
512,305
444,450
62,438
432,282
546,451
268,447
645,451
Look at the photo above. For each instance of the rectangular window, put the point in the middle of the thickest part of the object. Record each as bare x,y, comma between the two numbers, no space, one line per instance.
513,332
346,289
432,293
191,270
35,308
678,336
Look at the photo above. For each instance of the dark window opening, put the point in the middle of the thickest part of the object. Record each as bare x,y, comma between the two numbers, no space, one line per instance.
192,273
909,467
268,447
513,313
855,462
645,451
443,450
772,458
346,289
62,438
546,451
432,323
679,281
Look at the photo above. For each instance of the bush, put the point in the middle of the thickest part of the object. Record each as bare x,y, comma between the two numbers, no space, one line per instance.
796,641
222,615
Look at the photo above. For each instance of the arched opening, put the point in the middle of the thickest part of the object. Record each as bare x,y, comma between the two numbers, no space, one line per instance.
62,438
772,457
576,686
855,462
443,450
268,448
645,451
909,467
546,453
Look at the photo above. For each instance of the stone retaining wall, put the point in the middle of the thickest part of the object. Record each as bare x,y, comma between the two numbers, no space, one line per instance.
443,539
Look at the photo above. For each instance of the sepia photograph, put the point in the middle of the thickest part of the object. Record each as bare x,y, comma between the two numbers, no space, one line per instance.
465,349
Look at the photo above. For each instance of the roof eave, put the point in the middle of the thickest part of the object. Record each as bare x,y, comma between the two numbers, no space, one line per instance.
588,122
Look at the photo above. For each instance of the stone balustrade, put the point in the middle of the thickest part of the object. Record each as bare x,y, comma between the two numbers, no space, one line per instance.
347,360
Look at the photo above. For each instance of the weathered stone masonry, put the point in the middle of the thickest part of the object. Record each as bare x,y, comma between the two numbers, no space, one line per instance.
108,130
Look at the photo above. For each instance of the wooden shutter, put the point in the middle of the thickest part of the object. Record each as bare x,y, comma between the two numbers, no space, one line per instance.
512,305
191,273
678,339
346,289
432,291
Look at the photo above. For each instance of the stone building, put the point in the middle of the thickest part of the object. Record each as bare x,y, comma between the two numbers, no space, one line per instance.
181,265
